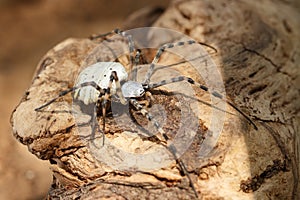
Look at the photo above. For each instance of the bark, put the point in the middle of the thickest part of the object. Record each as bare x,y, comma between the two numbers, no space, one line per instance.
258,54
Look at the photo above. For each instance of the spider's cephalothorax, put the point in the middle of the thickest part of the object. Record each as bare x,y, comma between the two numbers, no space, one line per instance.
98,82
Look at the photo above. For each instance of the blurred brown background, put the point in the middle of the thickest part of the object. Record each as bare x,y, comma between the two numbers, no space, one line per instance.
28,29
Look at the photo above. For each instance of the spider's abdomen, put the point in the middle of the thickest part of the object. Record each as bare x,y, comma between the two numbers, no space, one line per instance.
99,73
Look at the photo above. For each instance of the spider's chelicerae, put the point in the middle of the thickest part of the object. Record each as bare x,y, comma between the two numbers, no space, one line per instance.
98,82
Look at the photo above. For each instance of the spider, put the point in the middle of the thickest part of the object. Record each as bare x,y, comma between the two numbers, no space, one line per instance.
98,82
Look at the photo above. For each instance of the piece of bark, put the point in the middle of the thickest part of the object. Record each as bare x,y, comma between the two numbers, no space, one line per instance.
258,55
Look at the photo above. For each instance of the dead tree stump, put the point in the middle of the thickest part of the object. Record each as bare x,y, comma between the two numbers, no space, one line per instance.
258,51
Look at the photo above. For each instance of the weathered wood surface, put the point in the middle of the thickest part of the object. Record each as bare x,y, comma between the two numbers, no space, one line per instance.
258,54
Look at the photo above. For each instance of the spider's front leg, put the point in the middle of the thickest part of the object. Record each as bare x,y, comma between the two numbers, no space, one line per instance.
164,140
150,118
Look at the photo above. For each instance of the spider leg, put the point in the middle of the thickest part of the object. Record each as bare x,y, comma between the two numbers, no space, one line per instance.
65,92
103,100
182,166
115,31
149,117
169,46
133,72
94,121
114,77
203,87
171,147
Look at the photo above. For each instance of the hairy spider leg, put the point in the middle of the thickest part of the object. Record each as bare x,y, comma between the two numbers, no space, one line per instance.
169,46
133,59
203,87
171,147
